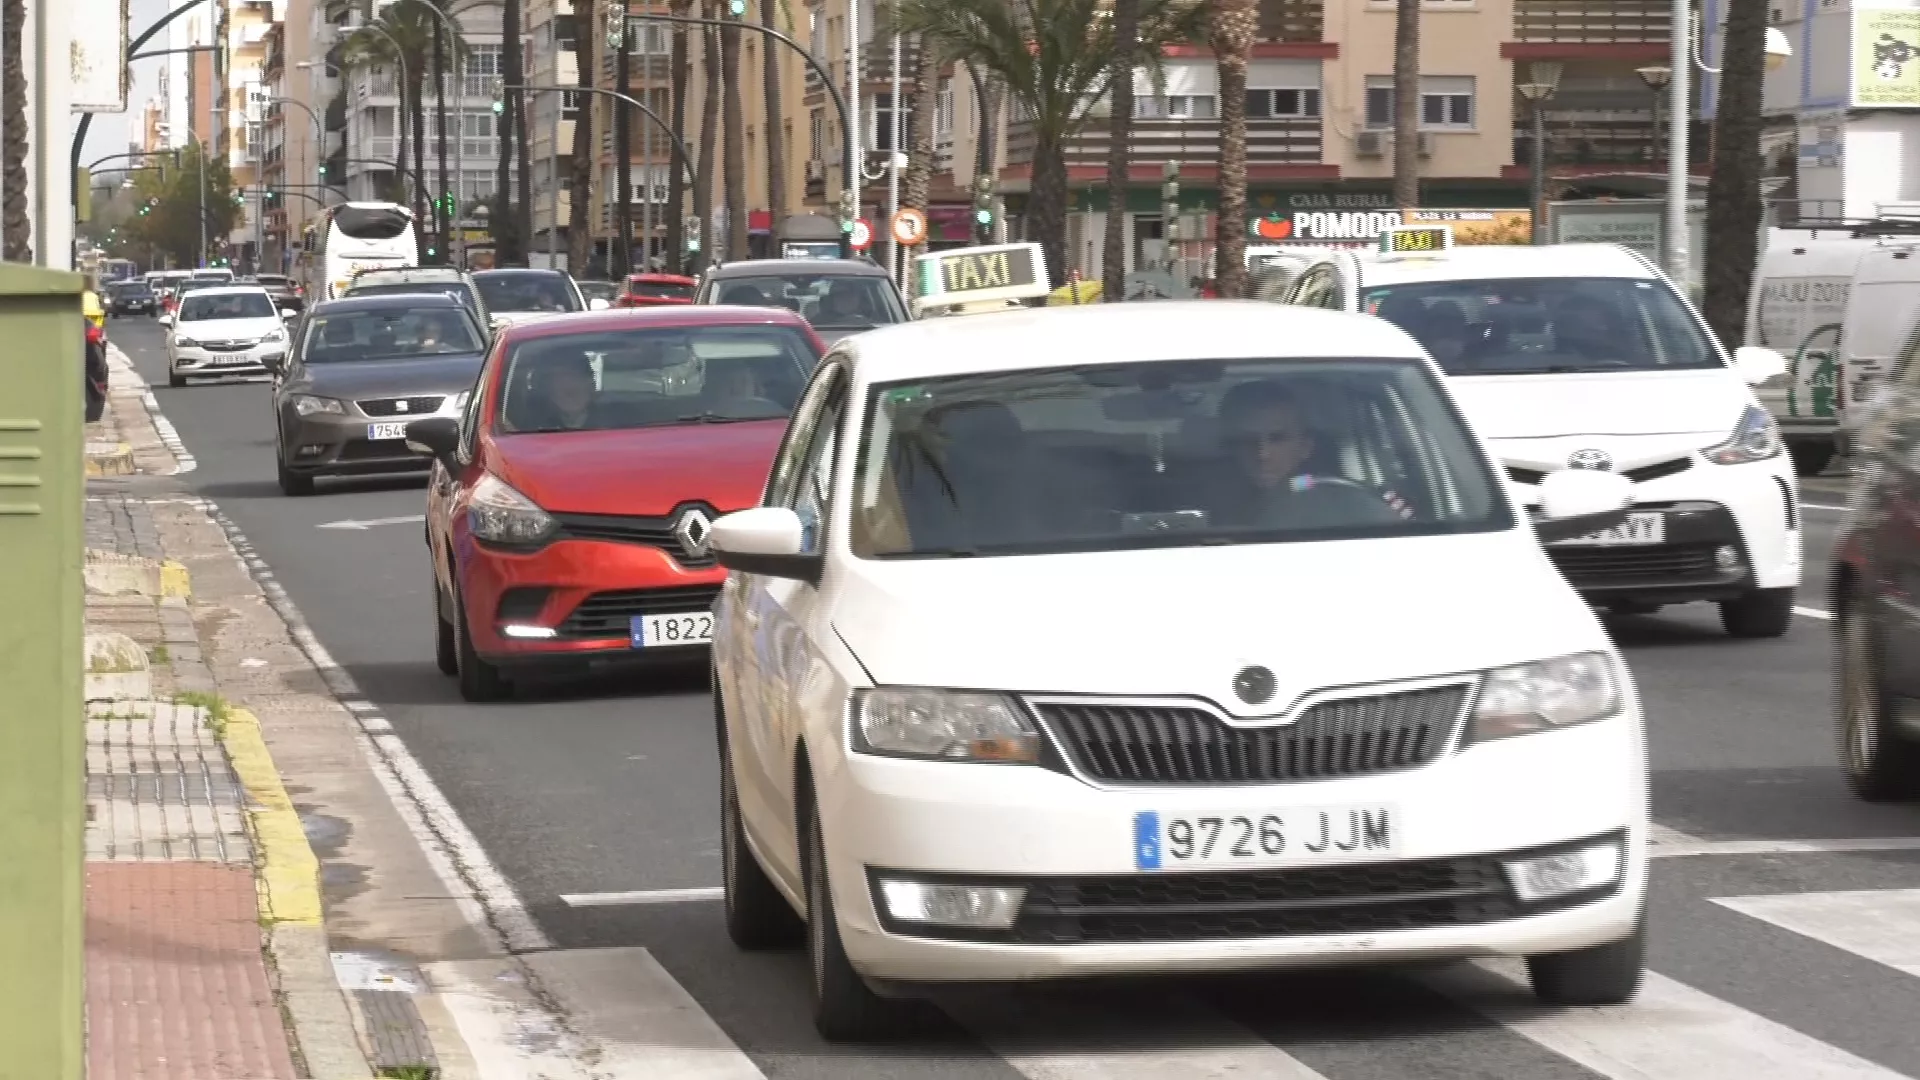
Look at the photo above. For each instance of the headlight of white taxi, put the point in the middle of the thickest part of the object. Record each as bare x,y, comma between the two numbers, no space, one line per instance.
1546,695
499,514
1754,438
943,725
308,405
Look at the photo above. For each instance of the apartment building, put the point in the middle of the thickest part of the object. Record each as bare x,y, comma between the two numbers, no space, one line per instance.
294,138
240,30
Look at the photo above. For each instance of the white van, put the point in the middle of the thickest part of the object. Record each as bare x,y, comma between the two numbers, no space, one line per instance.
1797,308
1880,332
1585,356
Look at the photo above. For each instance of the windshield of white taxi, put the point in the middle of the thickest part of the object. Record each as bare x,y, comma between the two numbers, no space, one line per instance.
1547,326
1166,454
388,333
527,292
828,301
649,378
205,308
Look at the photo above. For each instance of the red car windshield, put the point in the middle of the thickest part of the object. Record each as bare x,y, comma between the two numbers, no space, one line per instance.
654,377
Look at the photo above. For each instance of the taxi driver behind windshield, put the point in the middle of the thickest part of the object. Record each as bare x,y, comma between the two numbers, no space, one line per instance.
1281,477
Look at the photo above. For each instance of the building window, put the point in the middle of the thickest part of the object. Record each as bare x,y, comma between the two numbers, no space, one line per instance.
1298,104
880,113
816,134
943,111
569,104
1446,102
648,39
1176,107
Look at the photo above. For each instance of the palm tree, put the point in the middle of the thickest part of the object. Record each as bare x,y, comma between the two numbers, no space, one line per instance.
1733,191
402,37
733,145
677,182
924,83
776,122
444,50
1113,249
1235,24
16,226
709,130
1406,104
1054,58
580,201
508,239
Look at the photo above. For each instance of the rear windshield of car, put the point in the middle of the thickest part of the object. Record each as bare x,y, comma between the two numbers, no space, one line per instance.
653,378
133,288
435,288
660,290
270,281
203,308
828,301
395,333
527,292
372,222
1166,454
1547,326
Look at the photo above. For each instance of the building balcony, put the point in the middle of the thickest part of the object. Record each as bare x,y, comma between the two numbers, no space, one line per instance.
1292,20
1269,143
1584,29
1577,147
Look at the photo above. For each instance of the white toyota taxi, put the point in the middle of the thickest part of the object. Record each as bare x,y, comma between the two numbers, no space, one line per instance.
1162,637
1584,356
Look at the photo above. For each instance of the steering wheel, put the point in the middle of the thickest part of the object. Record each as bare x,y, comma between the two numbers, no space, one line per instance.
1393,499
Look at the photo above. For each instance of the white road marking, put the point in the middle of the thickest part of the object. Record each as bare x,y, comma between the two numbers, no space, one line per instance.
640,1021
1814,613
1829,508
1057,1037
645,896
1881,925
1670,1031
369,523
1787,847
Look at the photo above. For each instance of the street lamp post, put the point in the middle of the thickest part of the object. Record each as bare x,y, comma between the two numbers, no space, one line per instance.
1546,80
1656,78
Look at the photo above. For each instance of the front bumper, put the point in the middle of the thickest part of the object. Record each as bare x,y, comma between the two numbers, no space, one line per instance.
341,444
586,593
1089,912
198,359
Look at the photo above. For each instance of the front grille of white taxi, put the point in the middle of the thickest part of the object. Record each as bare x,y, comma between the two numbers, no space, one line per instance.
1639,475
1181,744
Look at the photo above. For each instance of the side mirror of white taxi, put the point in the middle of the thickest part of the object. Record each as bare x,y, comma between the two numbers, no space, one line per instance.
1576,502
598,304
1757,364
766,540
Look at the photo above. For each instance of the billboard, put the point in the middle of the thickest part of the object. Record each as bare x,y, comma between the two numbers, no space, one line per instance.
98,60
1886,58
1362,228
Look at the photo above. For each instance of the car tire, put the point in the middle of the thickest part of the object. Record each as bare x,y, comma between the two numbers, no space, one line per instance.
845,1008
1762,613
174,378
292,484
758,915
1601,975
1810,459
1881,763
479,681
446,644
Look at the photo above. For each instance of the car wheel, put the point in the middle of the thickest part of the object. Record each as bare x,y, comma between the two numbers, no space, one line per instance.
1762,613
292,484
845,1008
758,916
1880,762
446,647
1602,975
1811,459
479,680
174,378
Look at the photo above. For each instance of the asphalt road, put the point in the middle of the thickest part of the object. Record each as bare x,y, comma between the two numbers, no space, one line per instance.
608,785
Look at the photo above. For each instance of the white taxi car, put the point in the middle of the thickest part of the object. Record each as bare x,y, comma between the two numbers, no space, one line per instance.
1584,356
232,330
1155,638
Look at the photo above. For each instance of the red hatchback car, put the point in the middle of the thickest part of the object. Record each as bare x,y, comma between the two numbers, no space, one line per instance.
570,506
656,290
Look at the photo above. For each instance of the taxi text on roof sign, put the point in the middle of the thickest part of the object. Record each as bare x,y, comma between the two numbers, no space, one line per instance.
1416,241
989,276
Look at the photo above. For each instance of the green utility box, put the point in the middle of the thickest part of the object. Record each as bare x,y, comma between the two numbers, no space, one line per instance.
42,630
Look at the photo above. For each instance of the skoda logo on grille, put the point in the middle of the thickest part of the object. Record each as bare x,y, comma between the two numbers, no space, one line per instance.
1590,459
1254,685
692,530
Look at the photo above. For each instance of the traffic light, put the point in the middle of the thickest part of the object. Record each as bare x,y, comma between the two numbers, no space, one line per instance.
499,96
693,232
983,203
737,8
323,172
270,197
1170,201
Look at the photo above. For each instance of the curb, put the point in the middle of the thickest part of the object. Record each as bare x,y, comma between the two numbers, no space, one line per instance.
110,460
109,573
289,870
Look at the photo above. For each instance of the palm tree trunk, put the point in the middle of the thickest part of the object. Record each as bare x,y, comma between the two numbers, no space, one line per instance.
677,185
709,129
1113,249
442,223
402,116
776,121
1047,202
623,158
1734,210
920,107
1406,104
523,206
580,199
505,222
733,146
16,227
419,141
1235,24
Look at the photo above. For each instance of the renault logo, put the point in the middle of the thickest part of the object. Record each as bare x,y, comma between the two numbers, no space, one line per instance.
1254,685
1590,459
693,530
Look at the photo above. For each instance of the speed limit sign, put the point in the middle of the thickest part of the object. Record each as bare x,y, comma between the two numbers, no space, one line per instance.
909,226
862,234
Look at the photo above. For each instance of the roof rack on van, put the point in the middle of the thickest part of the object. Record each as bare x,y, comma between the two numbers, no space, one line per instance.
1857,227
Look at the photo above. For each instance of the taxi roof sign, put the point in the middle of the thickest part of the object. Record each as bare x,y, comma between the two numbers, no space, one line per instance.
1416,242
990,277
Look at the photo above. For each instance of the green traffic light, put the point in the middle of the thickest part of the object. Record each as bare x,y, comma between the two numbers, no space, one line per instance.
737,7
983,216
499,107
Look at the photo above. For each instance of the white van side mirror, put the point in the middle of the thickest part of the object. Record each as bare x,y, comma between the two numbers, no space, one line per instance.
1758,364
1575,502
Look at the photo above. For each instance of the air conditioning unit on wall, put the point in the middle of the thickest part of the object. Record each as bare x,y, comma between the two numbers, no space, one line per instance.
1370,144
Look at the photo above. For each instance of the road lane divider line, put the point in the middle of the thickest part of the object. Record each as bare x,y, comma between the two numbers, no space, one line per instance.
1828,507
1882,925
1670,1031
1814,613
644,896
1823,846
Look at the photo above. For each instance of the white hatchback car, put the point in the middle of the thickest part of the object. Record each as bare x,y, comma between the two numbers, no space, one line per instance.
1157,638
1584,356
230,330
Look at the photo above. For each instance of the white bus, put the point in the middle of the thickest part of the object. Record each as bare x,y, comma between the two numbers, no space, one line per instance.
356,236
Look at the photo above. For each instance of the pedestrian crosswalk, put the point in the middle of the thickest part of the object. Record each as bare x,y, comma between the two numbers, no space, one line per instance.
1470,1020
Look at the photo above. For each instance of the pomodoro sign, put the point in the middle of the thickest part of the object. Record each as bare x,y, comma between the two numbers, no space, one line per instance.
1308,226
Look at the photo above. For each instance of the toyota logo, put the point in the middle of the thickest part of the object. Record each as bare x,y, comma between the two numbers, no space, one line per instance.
1590,459
693,530
1254,685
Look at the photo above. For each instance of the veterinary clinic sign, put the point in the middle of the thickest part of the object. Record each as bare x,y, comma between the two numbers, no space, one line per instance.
1886,58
